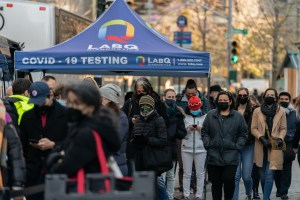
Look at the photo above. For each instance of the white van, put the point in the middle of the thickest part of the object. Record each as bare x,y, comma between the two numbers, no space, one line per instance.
27,22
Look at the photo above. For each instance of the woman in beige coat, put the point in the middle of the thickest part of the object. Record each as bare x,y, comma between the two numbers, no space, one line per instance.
270,116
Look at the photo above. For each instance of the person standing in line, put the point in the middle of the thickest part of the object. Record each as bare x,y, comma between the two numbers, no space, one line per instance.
132,110
283,178
213,93
190,90
51,82
176,130
111,95
224,134
149,131
268,121
255,170
192,149
245,165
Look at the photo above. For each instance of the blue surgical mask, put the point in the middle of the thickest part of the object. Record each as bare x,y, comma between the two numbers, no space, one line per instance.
61,102
195,112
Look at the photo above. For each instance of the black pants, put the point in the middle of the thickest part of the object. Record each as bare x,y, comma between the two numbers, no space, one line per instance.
283,178
255,177
219,176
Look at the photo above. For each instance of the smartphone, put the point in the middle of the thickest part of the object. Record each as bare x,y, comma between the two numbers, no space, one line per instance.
194,125
35,141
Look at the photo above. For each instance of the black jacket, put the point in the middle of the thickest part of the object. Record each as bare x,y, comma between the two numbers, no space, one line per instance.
16,171
223,137
176,130
31,128
80,146
154,130
131,108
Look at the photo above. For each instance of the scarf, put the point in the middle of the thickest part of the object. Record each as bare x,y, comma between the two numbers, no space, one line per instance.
269,112
288,109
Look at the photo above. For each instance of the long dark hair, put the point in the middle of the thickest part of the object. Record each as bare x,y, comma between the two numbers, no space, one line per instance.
114,106
248,106
86,93
230,96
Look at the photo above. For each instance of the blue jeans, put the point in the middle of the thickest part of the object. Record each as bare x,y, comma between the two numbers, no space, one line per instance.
245,170
267,178
161,192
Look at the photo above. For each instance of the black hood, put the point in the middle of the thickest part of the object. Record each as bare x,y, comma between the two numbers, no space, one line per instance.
105,122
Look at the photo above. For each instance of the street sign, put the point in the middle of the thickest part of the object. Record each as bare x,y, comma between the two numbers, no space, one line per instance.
181,21
240,31
185,40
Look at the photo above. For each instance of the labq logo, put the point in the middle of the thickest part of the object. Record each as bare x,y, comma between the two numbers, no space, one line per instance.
102,35
140,60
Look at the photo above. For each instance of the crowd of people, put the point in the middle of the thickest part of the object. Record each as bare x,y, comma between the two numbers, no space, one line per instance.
50,128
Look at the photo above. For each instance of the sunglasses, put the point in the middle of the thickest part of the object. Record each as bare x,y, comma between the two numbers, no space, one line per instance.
243,95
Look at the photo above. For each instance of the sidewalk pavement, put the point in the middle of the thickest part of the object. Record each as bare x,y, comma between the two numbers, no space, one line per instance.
294,191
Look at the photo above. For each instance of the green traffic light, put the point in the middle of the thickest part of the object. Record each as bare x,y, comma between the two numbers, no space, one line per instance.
234,58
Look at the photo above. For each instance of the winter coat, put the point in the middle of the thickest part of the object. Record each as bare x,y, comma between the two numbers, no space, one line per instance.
223,137
80,147
120,156
154,130
176,130
131,108
192,143
292,121
16,171
183,102
31,128
258,129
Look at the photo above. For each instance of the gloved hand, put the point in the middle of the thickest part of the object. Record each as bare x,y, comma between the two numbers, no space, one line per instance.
265,142
279,143
140,139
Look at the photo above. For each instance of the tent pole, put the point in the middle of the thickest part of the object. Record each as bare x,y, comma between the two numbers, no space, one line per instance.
208,85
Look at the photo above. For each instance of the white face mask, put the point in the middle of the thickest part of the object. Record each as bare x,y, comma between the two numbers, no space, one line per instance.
61,102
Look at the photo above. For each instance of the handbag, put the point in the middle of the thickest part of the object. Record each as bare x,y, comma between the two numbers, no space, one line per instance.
273,141
121,183
158,159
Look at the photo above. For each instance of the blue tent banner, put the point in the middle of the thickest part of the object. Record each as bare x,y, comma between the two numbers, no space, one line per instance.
117,42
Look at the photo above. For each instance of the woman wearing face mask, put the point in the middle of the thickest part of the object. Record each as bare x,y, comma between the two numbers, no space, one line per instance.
111,94
85,116
224,134
131,108
176,130
268,120
192,149
245,165
149,130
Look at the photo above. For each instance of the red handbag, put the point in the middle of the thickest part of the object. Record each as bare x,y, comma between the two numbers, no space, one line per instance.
124,183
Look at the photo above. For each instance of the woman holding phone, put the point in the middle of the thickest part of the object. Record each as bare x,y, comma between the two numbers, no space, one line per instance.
192,148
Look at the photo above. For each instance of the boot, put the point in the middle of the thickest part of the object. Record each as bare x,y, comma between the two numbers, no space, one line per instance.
255,193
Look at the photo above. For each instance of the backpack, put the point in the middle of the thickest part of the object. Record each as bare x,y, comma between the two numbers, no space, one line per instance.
12,110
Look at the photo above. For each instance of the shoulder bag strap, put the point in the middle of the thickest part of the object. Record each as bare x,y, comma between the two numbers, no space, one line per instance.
102,159
267,130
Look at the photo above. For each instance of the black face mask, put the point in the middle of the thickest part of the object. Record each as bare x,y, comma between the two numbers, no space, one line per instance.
242,100
74,115
43,109
269,100
223,105
284,104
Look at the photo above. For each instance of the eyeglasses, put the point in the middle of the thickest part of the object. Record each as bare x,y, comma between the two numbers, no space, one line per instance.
243,95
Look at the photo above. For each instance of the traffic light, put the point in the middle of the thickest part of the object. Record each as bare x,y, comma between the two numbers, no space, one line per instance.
234,53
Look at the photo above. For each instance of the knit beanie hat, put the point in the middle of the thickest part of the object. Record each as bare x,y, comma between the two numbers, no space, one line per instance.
147,99
111,92
194,103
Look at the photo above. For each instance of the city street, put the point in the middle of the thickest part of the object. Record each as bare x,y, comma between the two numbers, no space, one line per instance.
294,192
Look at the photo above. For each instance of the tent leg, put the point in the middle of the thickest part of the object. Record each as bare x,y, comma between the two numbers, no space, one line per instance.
208,85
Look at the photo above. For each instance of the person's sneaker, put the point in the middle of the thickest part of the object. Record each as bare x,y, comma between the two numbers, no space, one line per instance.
248,197
284,196
278,195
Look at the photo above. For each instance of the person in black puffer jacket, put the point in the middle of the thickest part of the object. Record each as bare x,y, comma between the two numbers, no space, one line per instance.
79,148
149,130
224,134
132,110
176,130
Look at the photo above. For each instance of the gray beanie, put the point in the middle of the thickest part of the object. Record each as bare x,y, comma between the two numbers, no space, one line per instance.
111,92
